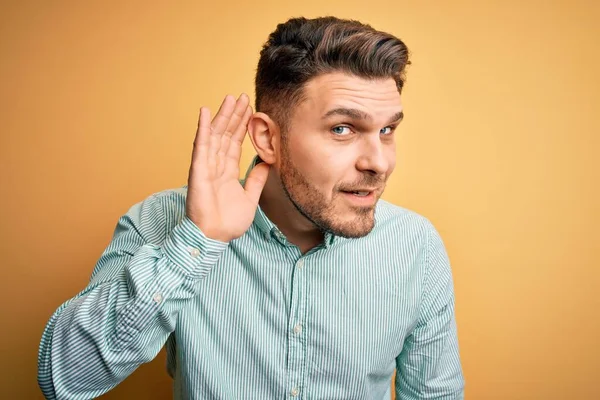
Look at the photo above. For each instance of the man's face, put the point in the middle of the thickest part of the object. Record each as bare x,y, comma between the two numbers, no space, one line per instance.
340,150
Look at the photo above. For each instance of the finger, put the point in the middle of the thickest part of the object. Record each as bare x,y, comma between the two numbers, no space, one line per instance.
235,120
202,139
234,151
213,151
256,181
218,126
240,132
222,156
223,115
237,115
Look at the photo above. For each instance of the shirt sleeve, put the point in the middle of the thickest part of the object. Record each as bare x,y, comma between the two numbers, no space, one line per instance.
126,313
429,365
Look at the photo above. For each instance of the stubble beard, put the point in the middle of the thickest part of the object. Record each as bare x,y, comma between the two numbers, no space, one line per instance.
313,205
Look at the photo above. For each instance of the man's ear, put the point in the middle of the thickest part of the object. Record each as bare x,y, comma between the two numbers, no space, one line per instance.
264,134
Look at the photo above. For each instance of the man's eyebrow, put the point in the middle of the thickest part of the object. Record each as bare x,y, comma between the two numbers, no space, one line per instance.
398,117
347,112
358,114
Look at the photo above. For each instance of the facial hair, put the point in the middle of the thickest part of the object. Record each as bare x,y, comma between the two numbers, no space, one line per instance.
312,203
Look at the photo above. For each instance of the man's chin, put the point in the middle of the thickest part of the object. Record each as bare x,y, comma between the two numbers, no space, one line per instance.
352,234
353,230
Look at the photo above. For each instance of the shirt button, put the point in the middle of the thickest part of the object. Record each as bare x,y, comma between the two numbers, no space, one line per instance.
295,392
300,263
298,329
157,297
194,252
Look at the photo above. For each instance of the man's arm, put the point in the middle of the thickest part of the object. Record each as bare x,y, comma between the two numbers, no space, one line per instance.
429,365
126,313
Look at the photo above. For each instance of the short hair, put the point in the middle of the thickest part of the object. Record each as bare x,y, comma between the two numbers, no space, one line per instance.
302,49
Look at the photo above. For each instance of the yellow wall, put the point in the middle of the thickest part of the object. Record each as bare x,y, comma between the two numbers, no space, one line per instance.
98,107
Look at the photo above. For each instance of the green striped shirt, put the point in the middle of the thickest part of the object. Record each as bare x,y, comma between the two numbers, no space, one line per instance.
254,318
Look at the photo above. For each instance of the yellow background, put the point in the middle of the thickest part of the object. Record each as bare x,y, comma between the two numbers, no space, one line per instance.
499,148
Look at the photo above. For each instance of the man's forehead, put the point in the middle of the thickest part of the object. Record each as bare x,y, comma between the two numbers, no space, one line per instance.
338,90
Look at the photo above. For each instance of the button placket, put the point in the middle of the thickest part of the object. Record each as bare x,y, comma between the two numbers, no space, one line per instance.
297,351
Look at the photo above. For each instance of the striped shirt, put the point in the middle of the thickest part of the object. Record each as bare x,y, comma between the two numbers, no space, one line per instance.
257,319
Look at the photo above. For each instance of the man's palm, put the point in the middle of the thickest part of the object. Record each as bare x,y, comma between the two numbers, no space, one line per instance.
216,201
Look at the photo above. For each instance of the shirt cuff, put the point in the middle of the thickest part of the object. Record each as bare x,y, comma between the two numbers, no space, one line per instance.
190,250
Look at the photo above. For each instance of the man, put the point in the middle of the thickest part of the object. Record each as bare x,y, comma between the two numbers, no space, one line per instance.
296,282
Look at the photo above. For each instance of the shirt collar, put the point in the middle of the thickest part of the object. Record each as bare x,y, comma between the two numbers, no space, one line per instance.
264,224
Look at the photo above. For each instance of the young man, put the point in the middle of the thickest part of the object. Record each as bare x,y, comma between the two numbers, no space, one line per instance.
297,282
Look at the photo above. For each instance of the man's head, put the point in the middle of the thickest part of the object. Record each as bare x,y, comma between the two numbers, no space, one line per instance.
328,101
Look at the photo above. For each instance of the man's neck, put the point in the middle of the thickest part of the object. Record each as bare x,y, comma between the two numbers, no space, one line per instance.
280,210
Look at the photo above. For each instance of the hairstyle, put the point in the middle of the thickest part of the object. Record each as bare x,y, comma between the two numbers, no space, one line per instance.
302,49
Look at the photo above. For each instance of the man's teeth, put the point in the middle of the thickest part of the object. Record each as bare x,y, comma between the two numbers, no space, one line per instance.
360,193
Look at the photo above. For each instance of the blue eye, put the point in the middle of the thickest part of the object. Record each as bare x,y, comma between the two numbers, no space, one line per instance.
387,130
339,130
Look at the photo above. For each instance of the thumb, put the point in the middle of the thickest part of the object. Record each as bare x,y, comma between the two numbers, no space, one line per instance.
257,178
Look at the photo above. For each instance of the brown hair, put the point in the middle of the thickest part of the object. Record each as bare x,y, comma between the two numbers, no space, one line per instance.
301,49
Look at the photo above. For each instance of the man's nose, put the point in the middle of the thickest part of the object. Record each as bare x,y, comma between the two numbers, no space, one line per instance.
373,157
